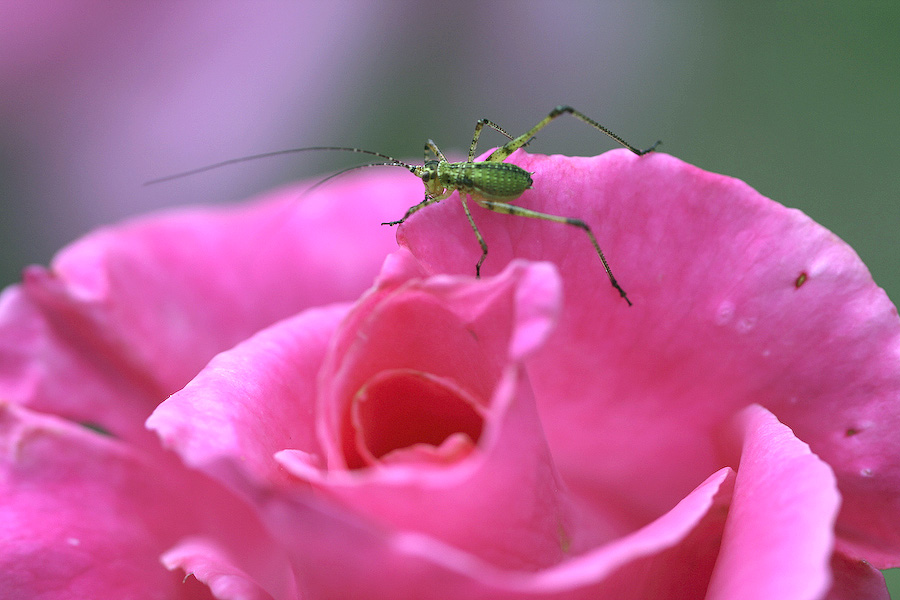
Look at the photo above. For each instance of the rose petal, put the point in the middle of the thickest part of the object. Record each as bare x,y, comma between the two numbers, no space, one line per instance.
256,399
86,516
779,535
397,326
55,374
478,504
336,555
252,401
212,565
146,288
668,558
854,579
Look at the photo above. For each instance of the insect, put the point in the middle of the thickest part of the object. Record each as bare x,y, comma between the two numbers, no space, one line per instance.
491,183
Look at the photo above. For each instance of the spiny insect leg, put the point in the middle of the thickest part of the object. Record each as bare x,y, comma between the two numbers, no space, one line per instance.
512,209
596,125
413,209
481,242
478,127
501,153
430,146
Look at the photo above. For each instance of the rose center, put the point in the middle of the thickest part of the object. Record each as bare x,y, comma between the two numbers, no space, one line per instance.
405,409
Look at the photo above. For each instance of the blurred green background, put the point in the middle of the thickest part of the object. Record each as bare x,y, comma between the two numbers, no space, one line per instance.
800,100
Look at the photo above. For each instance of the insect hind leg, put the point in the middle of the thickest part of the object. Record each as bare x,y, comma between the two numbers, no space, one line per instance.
478,127
430,146
582,117
512,209
514,144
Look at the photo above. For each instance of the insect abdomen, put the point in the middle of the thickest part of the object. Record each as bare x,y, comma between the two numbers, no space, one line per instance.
489,180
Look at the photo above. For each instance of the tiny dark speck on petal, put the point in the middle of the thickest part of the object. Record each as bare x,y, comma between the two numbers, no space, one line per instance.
97,428
801,279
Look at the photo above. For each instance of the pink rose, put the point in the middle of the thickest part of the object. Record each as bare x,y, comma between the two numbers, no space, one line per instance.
525,435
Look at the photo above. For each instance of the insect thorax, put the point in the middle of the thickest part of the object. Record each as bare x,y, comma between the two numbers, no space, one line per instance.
486,179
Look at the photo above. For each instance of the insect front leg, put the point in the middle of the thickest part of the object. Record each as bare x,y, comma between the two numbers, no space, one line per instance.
481,242
413,209
512,209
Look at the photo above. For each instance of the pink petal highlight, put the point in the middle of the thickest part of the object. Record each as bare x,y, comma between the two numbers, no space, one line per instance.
213,566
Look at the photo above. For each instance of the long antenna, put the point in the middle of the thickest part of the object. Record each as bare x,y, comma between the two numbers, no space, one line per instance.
353,168
392,161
